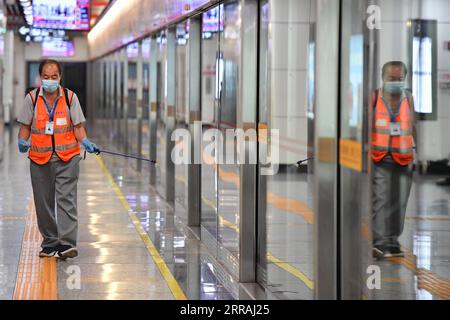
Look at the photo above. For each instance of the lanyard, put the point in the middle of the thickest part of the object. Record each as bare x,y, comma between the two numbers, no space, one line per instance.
51,113
391,112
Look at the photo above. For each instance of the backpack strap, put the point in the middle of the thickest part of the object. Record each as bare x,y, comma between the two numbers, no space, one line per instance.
410,99
69,97
35,98
375,98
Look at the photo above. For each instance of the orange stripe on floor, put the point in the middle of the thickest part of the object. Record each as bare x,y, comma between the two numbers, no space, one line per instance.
36,277
426,279
291,205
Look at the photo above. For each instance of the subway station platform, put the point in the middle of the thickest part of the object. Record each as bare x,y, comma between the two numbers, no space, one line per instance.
132,245
333,119
129,245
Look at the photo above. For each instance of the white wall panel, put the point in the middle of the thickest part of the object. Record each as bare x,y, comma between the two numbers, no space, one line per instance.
288,93
289,45
291,10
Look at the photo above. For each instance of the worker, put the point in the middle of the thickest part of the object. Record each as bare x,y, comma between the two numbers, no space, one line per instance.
53,117
393,143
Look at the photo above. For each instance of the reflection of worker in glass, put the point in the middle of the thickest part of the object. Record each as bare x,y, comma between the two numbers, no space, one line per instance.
393,137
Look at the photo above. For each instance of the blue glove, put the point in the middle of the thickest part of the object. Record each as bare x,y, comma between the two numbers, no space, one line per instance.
23,145
89,146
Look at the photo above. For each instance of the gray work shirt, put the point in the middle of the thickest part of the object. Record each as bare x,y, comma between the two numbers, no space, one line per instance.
27,113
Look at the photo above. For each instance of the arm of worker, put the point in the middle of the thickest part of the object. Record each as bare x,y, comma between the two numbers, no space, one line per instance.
77,117
80,134
24,135
25,119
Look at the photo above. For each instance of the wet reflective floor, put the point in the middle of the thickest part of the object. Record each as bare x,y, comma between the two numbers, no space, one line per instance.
120,225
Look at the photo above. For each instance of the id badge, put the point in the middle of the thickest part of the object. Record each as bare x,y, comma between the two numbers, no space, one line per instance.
49,126
395,129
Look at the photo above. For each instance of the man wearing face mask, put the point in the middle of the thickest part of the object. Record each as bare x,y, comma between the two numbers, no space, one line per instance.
52,116
393,141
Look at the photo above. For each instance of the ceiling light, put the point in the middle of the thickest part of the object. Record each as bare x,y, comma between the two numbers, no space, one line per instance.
35,32
24,30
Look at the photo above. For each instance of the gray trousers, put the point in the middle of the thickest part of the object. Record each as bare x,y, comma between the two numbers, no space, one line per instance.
391,186
55,185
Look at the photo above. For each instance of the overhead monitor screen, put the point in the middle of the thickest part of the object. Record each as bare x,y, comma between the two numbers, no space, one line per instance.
61,14
58,48
213,20
133,50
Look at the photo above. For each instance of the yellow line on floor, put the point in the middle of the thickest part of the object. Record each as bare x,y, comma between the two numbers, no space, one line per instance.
36,277
159,261
291,269
270,257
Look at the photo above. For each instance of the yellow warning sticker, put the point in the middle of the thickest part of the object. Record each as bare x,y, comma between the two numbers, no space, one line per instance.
350,155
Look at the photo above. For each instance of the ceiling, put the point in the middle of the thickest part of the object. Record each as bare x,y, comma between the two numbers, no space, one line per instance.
97,8
14,13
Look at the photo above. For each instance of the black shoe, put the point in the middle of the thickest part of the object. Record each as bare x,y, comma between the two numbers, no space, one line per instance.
394,252
65,251
47,252
382,252
378,252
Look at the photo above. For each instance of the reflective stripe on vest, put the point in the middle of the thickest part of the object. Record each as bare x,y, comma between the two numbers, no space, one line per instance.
388,131
65,144
66,147
401,146
41,149
56,130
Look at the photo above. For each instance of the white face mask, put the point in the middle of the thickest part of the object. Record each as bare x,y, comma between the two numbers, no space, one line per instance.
50,85
394,87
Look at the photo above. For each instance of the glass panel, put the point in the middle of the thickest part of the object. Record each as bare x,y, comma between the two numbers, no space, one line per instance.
210,52
132,54
160,121
122,96
182,114
228,174
2,125
394,149
354,201
146,98
286,218
115,97
104,91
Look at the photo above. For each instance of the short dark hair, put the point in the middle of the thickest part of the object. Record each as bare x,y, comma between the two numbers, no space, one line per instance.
45,62
395,64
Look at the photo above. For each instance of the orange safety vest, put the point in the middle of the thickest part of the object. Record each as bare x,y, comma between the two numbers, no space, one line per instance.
63,141
399,146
